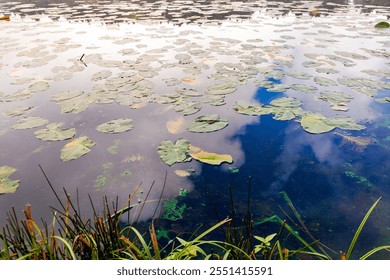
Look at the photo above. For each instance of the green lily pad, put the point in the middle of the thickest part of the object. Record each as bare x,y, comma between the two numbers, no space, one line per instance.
65,95
188,108
304,88
7,185
221,89
286,102
75,105
316,123
76,148
53,132
207,123
299,75
383,100
172,153
324,81
30,122
246,108
116,126
335,98
283,115
18,111
346,123
382,24
38,86
207,157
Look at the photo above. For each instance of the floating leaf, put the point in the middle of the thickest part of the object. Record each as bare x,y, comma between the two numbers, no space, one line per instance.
335,98
246,108
346,123
116,126
38,86
316,123
76,148
7,185
324,81
188,108
286,102
221,89
207,123
299,75
172,153
207,157
15,112
65,95
52,132
182,173
75,105
383,100
101,75
30,122
382,24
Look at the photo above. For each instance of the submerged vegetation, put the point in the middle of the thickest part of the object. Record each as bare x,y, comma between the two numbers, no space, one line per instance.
104,236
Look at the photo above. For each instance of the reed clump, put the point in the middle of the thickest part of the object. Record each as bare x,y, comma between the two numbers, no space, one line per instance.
70,236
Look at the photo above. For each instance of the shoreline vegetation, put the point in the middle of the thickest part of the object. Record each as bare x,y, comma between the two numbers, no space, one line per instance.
103,236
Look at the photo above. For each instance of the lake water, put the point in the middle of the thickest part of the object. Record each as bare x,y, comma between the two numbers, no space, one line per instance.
296,92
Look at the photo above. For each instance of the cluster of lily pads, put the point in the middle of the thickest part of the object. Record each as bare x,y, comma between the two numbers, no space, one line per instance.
129,81
182,151
288,108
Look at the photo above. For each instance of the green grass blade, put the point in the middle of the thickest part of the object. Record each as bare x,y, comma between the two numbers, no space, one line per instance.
373,251
143,242
66,243
359,230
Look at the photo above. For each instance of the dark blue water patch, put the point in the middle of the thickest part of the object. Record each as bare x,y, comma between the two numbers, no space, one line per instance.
264,96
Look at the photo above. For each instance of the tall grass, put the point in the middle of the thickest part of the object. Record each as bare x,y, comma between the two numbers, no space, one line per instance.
70,236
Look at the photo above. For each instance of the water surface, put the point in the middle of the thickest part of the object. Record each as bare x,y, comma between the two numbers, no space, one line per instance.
325,55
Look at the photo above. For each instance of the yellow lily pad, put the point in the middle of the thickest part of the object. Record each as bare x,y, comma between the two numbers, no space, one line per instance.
76,148
207,157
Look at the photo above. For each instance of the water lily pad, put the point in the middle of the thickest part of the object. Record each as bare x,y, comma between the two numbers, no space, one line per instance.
286,102
221,89
65,95
246,108
335,98
101,75
182,173
316,123
324,81
299,75
76,148
53,132
207,123
207,157
30,122
75,105
7,185
188,108
382,24
18,111
383,100
116,126
172,153
38,86
304,88
346,123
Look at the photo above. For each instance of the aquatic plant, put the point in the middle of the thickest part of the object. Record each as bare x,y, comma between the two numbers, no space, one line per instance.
382,24
7,185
